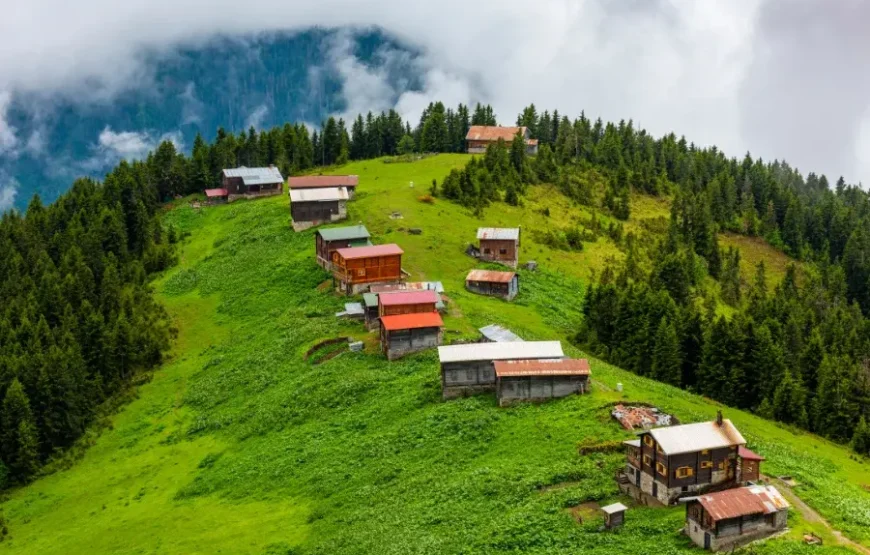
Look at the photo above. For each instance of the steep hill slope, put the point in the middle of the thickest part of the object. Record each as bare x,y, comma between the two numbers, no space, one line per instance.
240,445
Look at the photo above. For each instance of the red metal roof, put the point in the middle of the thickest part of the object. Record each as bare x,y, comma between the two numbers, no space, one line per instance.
543,367
315,181
351,253
490,276
216,193
492,133
408,297
748,455
412,321
733,503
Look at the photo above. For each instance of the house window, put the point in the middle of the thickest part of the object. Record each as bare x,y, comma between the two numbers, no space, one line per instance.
486,251
705,452
706,464
647,460
502,251
648,441
361,272
661,469
684,472
684,488
722,465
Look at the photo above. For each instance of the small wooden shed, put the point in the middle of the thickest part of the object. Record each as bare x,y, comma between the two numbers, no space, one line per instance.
539,380
328,240
614,515
497,284
749,465
499,244
251,182
310,207
406,302
356,268
349,182
217,196
402,334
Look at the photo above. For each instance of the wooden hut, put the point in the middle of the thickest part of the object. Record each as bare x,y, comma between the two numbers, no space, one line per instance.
750,465
481,136
499,244
328,240
726,519
217,196
497,284
356,268
402,334
468,369
251,182
406,302
614,515
539,380
310,207
349,182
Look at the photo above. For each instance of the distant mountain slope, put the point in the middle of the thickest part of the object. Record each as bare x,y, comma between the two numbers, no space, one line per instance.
232,82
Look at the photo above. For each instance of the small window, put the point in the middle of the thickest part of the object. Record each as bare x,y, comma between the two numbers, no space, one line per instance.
684,472
684,488
486,251
502,251
706,464
647,460
705,452
361,272
648,441
722,465
661,469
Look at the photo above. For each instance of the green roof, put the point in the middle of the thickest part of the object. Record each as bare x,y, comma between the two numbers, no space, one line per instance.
344,233
371,299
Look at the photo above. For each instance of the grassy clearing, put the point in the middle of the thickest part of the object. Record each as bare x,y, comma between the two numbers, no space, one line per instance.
239,445
754,250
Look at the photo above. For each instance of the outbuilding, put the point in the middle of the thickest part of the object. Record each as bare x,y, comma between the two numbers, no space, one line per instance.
406,302
349,182
402,334
539,380
499,244
470,368
310,207
217,196
328,240
614,515
251,182
497,284
370,301
355,269
730,518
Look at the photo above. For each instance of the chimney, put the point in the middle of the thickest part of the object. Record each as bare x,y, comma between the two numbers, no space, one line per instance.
719,418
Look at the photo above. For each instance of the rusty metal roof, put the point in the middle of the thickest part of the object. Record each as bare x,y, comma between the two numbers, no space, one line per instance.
490,276
352,253
748,455
318,181
738,502
499,233
689,438
412,321
216,193
408,297
545,367
493,133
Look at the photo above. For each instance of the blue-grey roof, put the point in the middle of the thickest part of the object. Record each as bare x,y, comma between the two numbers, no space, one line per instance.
344,233
256,176
498,334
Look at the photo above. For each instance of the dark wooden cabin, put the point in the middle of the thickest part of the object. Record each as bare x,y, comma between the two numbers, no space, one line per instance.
402,334
355,269
328,240
481,136
539,380
310,207
727,519
349,182
499,244
251,182
497,284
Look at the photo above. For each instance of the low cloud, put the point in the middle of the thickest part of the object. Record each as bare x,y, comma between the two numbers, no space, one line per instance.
8,192
113,146
192,107
8,140
256,117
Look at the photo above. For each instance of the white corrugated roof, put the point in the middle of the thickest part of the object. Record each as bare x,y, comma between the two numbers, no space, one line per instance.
697,437
318,195
256,176
498,334
615,508
499,233
632,442
518,350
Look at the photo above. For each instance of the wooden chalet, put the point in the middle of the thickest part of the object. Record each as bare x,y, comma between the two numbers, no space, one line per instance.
251,182
497,284
355,269
539,380
406,302
402,334
310,207
470,368
481,136
349,182
727,519
328,240
666,464
499,244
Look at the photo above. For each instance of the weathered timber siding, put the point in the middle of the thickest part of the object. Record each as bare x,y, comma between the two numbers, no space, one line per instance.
318,212
506,291
503,251
398,343
356,275
466,378
406,309
538,388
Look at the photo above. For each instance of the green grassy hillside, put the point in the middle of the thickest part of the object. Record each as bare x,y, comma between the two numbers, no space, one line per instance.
239,445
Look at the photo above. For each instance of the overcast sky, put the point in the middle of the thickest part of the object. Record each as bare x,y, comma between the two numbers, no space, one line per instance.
784,79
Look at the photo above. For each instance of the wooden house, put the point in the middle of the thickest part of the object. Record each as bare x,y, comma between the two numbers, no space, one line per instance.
539,380
328,240
355,269
497,284
251,182
349,182
470,368
481,136
614,515
499,244
310,207
727,519
666,464
406,302
402,334
217,196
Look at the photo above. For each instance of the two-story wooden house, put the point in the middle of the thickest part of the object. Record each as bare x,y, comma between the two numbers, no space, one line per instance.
666,464
355,269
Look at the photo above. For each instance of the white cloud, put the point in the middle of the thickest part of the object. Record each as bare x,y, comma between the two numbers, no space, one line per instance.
8,192
191,109
255,118
759,75
8,140
114,146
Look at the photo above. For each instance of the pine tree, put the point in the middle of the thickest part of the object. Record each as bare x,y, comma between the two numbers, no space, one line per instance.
861,437
19,440
666,360
789,401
